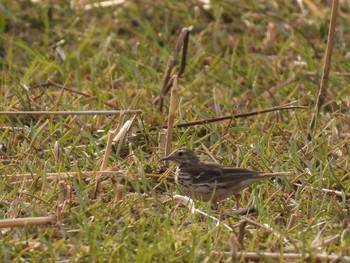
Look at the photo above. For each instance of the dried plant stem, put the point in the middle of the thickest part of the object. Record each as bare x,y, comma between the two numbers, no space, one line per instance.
264,226
234,116
294,257
171,118
327,191
190,205
67,113
50,83
162,139
64,194
61,174
112,136
182,41
28,221
325,74
120,137
26,176
241,232
100,4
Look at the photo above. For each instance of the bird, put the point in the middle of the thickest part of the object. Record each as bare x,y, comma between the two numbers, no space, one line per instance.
211,181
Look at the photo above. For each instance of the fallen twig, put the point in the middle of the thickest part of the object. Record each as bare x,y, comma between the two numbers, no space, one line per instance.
234,116
327,191
190,204
67,113
27,221
50,83
64,175
100,4
281,257
264,226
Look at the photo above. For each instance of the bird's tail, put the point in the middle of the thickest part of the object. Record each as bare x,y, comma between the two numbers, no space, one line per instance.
278,174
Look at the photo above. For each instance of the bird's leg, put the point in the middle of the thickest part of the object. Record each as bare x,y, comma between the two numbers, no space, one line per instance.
238,199
243,210
214,205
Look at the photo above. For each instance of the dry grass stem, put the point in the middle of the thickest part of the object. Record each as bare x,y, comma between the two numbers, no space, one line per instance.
113,136
325,73
28,221
64,194
294,257
239,86
267,227
51,83
67,113
182,41
171,117
325,190
235,116
63,175
162,139
109,3
188,202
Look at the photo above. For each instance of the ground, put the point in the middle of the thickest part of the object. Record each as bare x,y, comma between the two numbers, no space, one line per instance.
243,56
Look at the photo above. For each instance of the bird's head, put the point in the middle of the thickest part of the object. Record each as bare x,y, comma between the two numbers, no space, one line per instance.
182,156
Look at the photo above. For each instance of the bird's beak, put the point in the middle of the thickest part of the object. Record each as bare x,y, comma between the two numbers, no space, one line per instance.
165,158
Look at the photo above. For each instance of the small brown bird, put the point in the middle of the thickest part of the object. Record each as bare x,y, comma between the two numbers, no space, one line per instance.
211,181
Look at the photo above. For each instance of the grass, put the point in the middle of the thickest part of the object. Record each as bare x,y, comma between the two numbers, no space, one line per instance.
117,56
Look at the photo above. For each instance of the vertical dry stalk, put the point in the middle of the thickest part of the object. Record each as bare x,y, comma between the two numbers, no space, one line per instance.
241,232
325,74
113,136
162,139
293,219
119,193
119,138
182,41
171,117
62,190
233,247
64,194
56,152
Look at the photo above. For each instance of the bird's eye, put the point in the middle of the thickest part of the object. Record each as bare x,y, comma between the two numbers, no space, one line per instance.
180,153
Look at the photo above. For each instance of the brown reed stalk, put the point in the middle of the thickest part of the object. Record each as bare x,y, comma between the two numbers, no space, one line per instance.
67,113
171,117
182,42
27,221
325,74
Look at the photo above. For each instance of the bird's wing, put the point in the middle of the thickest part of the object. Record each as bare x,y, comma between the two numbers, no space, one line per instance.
203,173
209,173
231,174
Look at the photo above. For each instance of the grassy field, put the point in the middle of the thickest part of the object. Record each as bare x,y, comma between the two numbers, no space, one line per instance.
242,56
